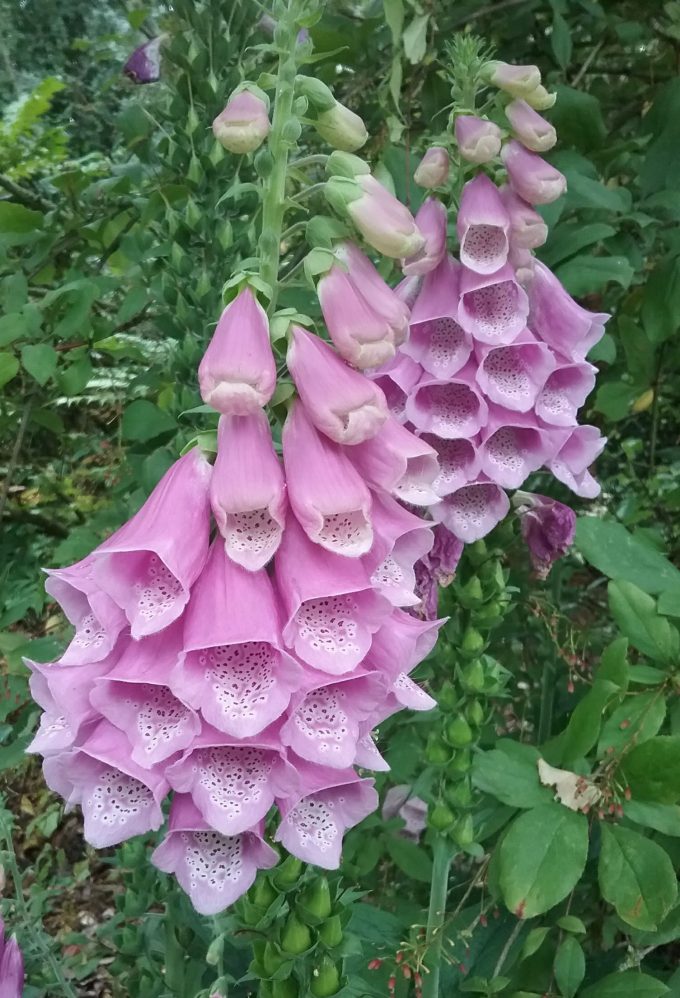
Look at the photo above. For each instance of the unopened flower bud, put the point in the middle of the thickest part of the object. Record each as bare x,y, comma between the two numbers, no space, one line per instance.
244,124
458,732
344,164
441,817
433,169
319,95
479,141
529,127
464,832
285,989
325,979
341,128
330,933
316,899
296,937
540,99
516,80
384,222
531,177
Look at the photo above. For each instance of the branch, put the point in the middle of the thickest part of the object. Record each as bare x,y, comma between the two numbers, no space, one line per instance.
23,195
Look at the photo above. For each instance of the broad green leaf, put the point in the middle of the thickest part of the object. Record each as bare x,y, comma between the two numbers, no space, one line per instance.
578,118
542,857
568,238
569,966
73,379
18,224
142,420
613,667
560,39
669,603
629,984
636,877
585,192
664,818
668,931
410,858
640,358
584,274
619,554
534,941
637,719
660,301
394,15
652,769
414,39
646,675
9,366
40,360
570,923
583,729
635,613
614,399
508,772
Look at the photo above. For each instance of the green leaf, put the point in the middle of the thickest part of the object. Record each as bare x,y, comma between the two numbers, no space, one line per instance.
142,420
636,877
578,118
664,818
394,15
640,359
568,238
652,769
40,360
508,772
583,275
615,398
542,857
586,192
560,39
9,366
569,966
570,923
637,719
73,379
618,554
414,39
613,667
18,224
534,941
410,858
629,984
635,613
583,729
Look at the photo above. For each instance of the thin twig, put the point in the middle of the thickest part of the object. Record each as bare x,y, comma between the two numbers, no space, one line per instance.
586,64
500,963
23,195
16,450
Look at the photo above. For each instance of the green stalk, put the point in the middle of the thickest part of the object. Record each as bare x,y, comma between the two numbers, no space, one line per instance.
436,915
273,201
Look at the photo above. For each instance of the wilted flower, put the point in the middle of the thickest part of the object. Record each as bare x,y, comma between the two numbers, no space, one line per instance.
400,803
548,527
144,65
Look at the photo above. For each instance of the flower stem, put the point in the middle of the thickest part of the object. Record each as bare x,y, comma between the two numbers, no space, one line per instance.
436,915
273,201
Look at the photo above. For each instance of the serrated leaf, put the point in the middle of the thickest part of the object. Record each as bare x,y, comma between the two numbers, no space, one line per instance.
636,877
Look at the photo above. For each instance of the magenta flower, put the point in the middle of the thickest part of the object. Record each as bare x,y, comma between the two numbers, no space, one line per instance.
493,308
398,462
237,374
362,335
530,176
243,125
437,341
532,130
561,322
144,64
527,228
516,80
514,376
483,225
149,565
385,223
233,668
401,540
374,289
579,449
459,462
548,528
472,511
247,490
343,404
400,803
449,409
433,169
98,620
478,140
431,220
328,497
397,379
514,445
213,869
11,965
564,392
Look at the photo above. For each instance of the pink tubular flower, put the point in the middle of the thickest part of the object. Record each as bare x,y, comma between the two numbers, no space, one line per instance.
564,393
449,409
243,125
149,565
516,80
247,490
580,447
397,379
401,539
513,376
212,868
431,219
144,64
11,966
97,618
560,321
493,308
399,803
343,404
530,176
233,668
472,511
482,226
401,644
459,462
331,608
237,374
530,128
527,228
374,289
233,781
478,140
400,463
361,335
317,816
433,169
327,496
437,341
548,528
385,223
514,445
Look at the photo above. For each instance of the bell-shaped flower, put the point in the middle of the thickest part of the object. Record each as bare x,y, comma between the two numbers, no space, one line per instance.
243,125
400,540
516,80
233,668
514,445
449,409
459,462
317,816
247,490
11,965
482,225
345,405
213,869
341,128
144,64
398,462
548,528
564,393
396,380
119,799
560,321
368,754
327,495
362,336
437,342
98,620
493,308
478,140
401,644
331,607
433,169
513,376
431,219
532,130
472,511
527,228
385,223
324,724
237,374
400,802
135,698
531,177
233,781
579,448
149,565
374,289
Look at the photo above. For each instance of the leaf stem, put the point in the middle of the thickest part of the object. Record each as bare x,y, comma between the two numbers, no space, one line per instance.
436,915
